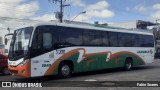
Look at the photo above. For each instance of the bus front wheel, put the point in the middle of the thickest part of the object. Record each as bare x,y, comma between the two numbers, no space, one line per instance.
128,64
64,70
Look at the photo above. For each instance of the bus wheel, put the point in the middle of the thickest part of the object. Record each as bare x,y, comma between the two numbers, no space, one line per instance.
128,64
5,70
64,70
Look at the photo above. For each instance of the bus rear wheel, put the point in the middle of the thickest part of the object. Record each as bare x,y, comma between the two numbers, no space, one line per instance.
128,64
64,70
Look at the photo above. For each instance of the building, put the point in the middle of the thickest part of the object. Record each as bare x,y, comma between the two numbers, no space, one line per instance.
138,24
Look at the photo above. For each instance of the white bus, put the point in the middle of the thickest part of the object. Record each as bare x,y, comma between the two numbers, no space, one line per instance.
62,49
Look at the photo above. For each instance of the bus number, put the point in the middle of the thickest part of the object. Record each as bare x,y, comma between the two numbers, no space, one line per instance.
46,65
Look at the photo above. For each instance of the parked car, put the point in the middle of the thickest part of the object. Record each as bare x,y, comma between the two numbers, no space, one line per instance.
4,64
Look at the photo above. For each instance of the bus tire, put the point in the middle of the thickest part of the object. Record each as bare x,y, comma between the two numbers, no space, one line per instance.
128,64
64,70
5,71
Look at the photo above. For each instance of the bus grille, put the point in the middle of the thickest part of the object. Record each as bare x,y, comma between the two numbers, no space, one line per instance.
13,71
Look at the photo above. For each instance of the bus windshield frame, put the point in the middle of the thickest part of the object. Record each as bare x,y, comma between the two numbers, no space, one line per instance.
20,43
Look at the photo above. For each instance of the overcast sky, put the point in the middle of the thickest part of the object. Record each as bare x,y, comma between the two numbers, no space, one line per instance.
104,11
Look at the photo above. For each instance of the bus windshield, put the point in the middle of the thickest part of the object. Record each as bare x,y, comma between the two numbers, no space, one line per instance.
19,43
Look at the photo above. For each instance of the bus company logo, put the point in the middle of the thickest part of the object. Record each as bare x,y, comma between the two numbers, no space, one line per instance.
6,84
60,52
143,51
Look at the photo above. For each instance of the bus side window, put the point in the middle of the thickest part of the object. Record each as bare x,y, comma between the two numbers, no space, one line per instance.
37,42
136,40
42,41
147,41
113,39
124,40
47,41
105,40
92,38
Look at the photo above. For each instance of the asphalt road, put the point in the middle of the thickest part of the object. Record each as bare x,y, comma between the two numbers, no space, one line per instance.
149,72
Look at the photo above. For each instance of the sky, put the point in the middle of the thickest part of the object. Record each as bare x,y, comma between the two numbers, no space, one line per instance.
104,11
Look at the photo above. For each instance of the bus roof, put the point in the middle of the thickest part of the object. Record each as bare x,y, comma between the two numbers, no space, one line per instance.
94,27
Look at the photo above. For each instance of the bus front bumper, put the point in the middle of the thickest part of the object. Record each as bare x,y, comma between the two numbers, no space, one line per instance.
19,70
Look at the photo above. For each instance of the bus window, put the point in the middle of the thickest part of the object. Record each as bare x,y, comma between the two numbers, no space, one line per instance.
147,41
113,39
70,36
47,40
135,40
42,41
124,40
92,38
105,40
36,43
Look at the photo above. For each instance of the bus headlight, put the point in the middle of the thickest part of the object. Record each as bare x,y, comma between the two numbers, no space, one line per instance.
23,62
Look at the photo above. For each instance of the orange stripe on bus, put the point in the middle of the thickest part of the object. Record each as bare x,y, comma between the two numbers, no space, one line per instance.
126,52
65,56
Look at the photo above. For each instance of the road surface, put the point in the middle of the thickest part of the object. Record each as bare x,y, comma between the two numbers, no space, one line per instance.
149,72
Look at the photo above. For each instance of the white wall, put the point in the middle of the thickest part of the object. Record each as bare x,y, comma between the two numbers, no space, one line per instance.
128,25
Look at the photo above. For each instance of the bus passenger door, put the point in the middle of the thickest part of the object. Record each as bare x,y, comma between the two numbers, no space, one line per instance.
42,45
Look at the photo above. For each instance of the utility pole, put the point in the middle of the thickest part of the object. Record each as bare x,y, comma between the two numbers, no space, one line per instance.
157,24
59,15
61,11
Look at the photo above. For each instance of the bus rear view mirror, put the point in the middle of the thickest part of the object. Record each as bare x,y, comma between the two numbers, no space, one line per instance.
5,41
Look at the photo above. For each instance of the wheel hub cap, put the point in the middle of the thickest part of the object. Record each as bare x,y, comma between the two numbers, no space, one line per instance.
65,70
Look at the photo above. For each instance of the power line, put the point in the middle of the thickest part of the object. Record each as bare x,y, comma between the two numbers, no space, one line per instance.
10,18
6,3
17,10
